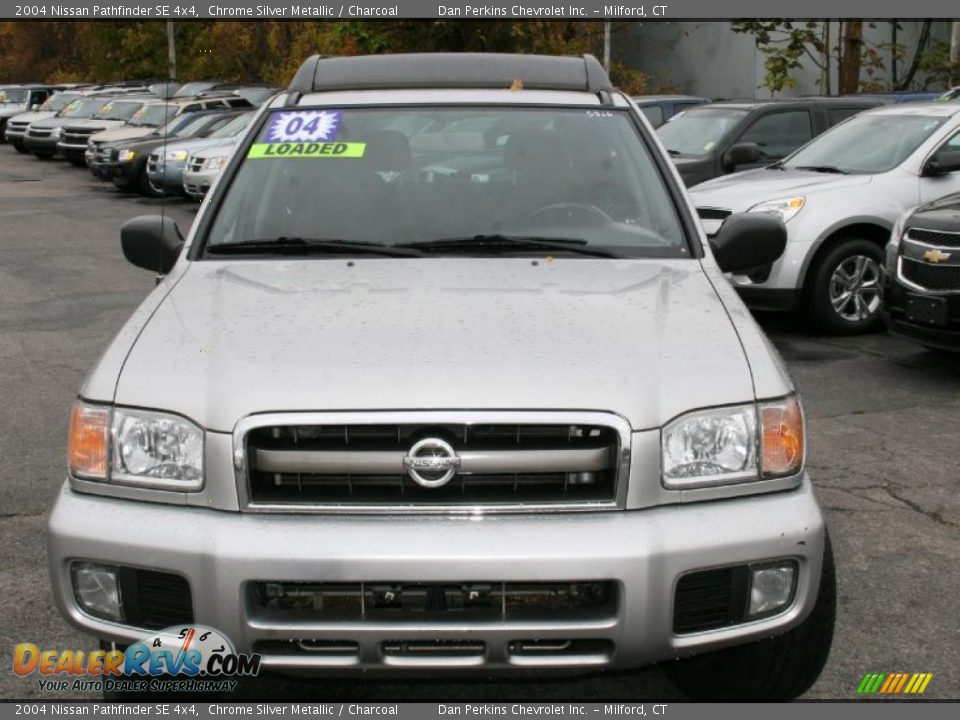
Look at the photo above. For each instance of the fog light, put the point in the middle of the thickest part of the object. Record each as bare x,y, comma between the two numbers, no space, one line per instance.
771,587
97,590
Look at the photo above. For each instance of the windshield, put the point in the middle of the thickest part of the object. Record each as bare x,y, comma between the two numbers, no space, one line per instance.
697,131
81,108
13,96
118,110
866,143
234,127
576,175
192,126
57,102
152,115
193,88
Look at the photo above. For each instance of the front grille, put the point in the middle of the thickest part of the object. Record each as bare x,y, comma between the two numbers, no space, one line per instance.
305,602
934,237
17,126
75,136
38,133
936,278
153,162
155,600
370,465
710,599
196,164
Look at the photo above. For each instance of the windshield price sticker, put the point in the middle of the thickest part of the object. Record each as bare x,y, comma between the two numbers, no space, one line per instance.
307,150
303,126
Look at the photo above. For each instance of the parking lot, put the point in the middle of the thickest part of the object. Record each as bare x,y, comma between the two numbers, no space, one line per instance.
883,417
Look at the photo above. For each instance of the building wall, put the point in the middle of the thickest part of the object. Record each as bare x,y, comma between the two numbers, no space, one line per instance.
708,58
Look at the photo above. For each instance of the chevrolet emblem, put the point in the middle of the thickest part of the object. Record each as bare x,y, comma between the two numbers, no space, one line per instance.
936,256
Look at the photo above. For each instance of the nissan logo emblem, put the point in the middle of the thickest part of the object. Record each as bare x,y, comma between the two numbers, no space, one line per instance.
431,462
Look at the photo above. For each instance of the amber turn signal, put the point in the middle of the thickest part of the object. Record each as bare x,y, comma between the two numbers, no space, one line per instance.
87,455
782,431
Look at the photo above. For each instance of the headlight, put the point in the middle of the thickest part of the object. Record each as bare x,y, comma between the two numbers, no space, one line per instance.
215,163
719,446
126,155
786,208
145,448
178,155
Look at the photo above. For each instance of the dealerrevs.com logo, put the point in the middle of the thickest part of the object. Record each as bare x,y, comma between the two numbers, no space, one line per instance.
179,659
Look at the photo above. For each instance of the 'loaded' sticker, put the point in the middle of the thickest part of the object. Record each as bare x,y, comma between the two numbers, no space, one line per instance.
307,150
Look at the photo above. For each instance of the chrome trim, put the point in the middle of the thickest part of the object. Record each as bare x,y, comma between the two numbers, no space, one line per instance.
913,286
923,229
350,462
453,417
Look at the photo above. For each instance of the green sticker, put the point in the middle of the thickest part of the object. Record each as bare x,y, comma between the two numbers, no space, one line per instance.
307,150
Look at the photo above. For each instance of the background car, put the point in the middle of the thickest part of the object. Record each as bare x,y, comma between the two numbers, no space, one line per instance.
42,136
114,113
840,196
18,99
166,164
17,125
127,162
921,299
720,138
204,167
658,109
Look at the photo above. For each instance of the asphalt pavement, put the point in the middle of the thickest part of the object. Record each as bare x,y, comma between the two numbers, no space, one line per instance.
883,415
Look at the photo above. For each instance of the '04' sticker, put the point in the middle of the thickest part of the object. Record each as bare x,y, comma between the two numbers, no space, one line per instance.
303,126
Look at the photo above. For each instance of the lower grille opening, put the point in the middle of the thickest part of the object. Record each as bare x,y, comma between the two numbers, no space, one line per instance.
433,648
452,602
560,648
155,600
710,599
945,278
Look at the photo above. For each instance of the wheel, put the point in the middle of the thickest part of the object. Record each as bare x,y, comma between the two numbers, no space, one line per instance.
145,187
19,147
845,291
76,160
780,668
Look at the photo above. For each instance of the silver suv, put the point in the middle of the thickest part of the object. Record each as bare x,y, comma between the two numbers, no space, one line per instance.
445,378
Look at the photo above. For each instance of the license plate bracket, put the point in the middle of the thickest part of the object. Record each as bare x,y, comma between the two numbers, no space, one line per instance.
926,310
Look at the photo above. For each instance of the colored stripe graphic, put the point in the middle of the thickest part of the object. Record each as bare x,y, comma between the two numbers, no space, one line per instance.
894,683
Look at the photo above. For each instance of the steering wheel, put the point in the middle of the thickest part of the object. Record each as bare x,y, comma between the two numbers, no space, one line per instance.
569,211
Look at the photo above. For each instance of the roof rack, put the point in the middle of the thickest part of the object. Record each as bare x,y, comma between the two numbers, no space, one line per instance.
321,73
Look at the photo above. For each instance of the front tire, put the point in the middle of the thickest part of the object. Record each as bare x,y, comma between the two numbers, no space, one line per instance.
781,668
19,147
845,288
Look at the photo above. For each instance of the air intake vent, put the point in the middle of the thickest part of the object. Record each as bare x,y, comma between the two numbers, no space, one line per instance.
710,599
155,600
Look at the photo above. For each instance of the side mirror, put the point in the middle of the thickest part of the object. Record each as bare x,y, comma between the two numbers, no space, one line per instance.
749,241
742,154
151,242
945,161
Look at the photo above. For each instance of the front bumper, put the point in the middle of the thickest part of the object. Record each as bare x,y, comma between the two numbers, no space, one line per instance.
643,552
944,337
197,184
168,175
44,144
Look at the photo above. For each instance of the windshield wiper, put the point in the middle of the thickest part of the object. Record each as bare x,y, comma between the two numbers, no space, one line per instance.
674,153
822,169
508,243
778,165
301,246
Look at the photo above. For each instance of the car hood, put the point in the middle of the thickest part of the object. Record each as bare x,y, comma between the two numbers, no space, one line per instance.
124,132
743,190
647,339
94,124
223,149
195,145
30,117
11,111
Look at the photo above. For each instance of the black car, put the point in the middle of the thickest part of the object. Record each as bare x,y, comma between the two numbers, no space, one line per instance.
125,162
720,138
922,276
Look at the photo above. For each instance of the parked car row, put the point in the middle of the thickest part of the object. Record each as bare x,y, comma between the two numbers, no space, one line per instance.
847,198
143,138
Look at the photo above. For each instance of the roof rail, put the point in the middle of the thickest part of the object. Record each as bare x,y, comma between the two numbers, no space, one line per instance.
323,73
